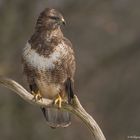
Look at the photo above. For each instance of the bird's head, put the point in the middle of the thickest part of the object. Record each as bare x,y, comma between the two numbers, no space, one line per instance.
50,19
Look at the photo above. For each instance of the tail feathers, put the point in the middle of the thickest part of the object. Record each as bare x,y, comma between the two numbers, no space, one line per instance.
56,117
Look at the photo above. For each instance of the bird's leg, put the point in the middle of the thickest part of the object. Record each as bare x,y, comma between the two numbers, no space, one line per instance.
37,96
58,101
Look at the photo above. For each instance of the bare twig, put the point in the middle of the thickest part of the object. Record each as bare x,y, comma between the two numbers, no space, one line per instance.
75,108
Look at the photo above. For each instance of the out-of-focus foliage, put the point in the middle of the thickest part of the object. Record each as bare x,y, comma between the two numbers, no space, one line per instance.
106,39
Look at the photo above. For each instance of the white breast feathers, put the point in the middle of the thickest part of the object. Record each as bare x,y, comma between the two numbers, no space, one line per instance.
40,61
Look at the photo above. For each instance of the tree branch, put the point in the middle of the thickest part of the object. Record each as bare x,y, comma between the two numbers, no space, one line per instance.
75,108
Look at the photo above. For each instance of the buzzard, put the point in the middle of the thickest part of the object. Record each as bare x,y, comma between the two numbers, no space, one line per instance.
49,65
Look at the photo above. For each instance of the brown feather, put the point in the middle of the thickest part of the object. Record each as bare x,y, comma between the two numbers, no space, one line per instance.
48,61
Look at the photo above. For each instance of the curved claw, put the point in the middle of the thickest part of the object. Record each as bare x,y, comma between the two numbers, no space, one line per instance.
58,101
37,96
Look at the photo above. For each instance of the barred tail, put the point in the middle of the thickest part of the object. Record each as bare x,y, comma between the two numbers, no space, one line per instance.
56,117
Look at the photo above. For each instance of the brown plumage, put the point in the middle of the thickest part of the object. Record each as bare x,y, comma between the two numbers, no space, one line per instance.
49,64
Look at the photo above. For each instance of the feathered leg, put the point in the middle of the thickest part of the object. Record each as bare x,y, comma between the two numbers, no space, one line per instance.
56,117
35,91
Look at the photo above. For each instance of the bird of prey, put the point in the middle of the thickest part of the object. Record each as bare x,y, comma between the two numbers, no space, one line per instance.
49,65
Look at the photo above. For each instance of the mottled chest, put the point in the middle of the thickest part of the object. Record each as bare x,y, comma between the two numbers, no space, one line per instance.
38,61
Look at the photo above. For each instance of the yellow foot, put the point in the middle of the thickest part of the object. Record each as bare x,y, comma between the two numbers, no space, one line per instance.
58,101
37,96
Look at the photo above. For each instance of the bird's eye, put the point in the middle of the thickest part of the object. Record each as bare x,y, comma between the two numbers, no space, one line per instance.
53,17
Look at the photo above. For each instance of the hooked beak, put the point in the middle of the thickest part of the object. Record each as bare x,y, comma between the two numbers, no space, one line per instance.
63,21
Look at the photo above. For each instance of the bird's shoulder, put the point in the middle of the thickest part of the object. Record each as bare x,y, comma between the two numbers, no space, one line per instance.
67,42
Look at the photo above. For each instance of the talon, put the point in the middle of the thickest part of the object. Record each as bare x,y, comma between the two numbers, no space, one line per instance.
58,101
37,96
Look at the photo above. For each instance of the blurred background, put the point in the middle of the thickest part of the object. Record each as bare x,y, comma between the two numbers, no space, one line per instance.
106,39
